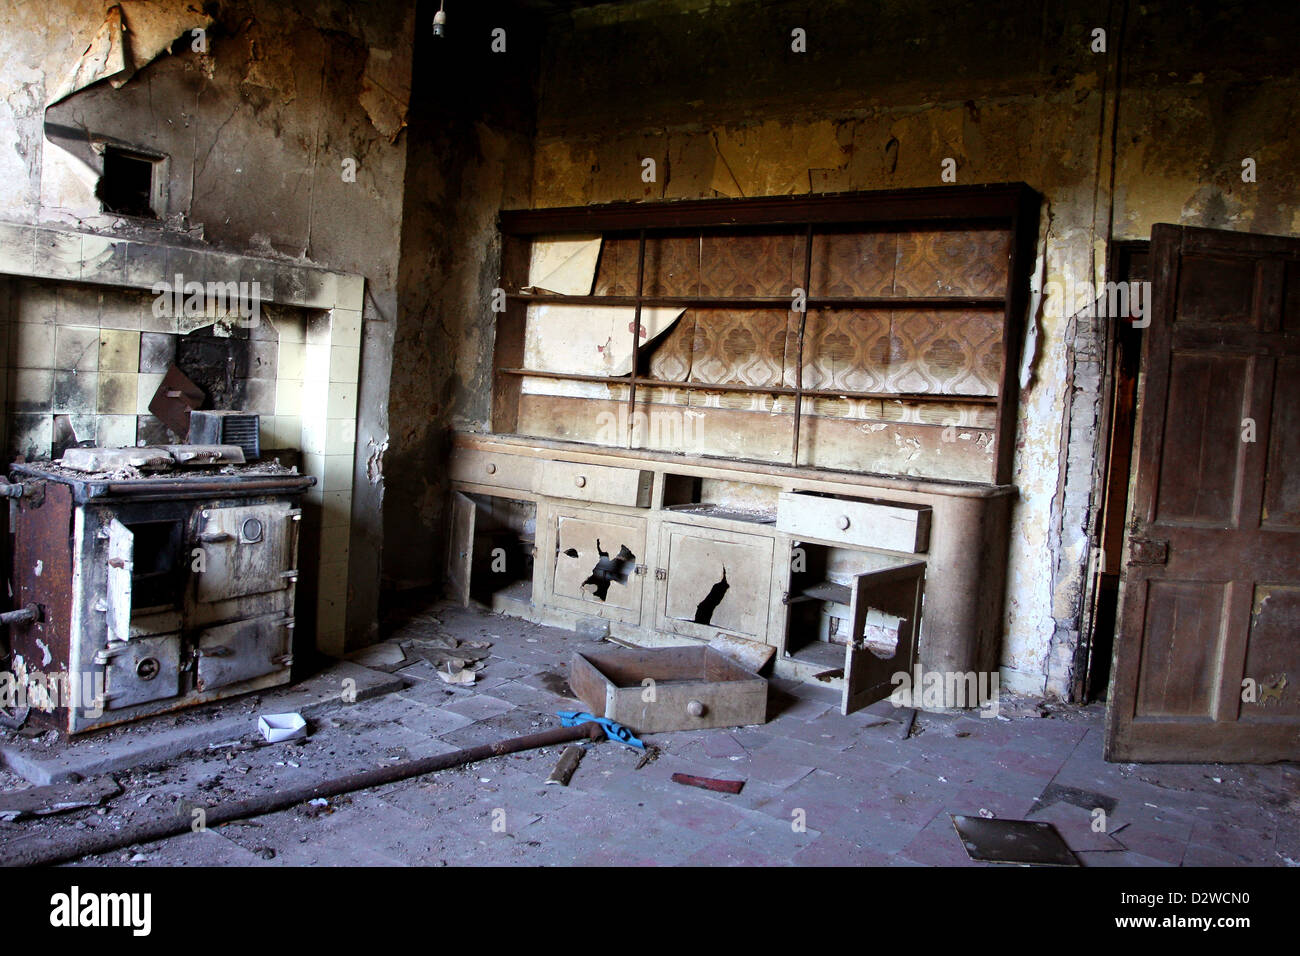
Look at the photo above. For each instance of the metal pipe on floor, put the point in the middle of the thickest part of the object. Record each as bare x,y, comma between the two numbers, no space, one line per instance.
42,852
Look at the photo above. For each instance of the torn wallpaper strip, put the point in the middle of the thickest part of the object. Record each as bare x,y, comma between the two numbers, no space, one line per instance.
564,266
589,340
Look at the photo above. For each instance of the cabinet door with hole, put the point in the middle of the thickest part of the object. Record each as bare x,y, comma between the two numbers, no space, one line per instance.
598,563
885,622
713,581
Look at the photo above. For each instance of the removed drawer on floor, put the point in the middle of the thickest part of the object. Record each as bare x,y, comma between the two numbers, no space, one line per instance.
668,688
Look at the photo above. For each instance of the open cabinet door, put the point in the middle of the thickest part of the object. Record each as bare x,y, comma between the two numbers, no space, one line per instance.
885,616
121,556
460,548
1207,652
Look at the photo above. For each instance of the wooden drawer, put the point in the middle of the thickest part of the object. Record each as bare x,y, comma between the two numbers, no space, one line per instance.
491,468
694,688
891,526
600,483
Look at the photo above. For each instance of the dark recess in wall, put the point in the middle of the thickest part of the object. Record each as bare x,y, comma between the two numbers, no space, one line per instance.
126,186
459,85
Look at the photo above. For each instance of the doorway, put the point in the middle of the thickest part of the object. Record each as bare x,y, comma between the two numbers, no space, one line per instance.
1128,262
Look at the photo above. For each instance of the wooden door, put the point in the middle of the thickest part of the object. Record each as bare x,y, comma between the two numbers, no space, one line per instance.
885,621
1207,658
460,548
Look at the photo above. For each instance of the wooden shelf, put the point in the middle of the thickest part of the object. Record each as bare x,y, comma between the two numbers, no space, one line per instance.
1010,209
914,397
823,653
569,376
823,591
996,204
720,513
768,302
643,382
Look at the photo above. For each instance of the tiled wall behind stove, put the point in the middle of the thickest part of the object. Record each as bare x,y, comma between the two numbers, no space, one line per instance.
85,361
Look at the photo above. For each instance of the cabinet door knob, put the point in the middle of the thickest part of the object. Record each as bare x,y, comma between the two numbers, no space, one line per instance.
580,481
843,522
490,468
696,709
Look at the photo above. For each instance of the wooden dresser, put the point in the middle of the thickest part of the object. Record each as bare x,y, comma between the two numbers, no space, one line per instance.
786,420
532,521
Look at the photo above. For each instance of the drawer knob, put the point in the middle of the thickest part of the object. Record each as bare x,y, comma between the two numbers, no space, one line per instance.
843,522
490,468
696,709
580,481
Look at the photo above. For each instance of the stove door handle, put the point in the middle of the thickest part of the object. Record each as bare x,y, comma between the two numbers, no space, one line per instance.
214,537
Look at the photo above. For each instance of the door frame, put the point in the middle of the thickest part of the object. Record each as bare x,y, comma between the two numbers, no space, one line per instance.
1126,259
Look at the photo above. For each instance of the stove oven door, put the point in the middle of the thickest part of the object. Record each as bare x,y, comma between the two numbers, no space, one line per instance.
121,554
141,670
238,652
251,549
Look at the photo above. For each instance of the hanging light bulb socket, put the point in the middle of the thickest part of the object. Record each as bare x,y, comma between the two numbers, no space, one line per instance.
440,22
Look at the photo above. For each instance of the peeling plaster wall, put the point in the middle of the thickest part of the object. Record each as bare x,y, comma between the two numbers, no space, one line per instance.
713,93
710,89
256,131
1202,88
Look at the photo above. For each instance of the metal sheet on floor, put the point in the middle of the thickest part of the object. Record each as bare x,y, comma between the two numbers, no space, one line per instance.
1027,842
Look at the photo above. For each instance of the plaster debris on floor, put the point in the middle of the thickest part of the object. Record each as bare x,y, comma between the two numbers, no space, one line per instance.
812,787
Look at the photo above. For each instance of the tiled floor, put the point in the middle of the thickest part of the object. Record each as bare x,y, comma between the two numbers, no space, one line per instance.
819,788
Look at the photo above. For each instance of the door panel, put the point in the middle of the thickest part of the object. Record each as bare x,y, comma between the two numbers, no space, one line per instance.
1198,472
1183,624
1216,290
1282,483
716,581
885,611
233,653
247,550
597,557
1208,602
1291,302
143,670
1271,653
460,550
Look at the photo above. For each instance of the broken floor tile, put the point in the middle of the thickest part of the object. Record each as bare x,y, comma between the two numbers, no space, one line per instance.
774,769
1076,827
479,707
722,744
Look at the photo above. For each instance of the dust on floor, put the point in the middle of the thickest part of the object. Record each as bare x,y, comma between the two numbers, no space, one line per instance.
819,788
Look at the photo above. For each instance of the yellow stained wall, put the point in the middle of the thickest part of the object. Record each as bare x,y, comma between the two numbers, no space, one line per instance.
1175,154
